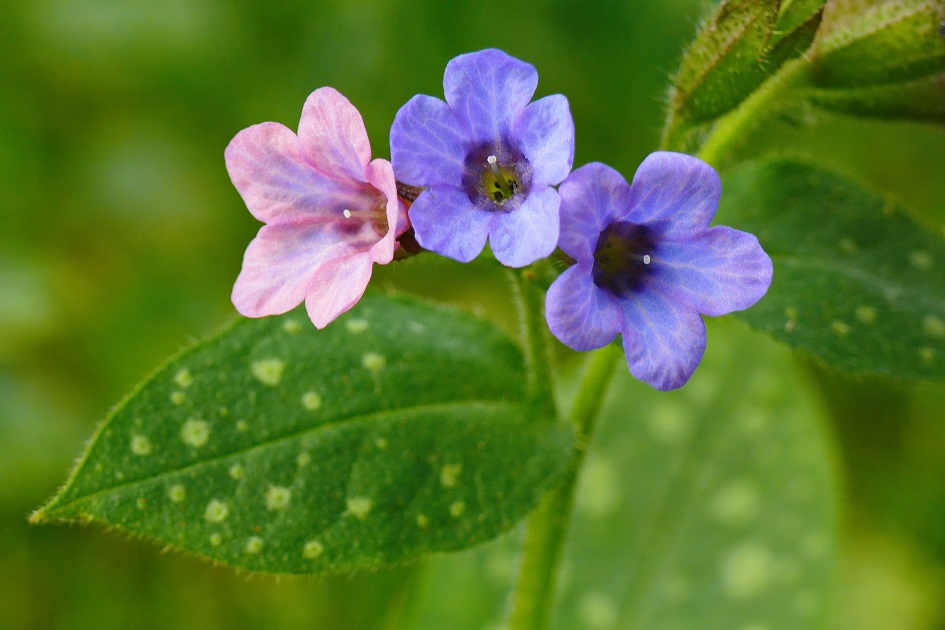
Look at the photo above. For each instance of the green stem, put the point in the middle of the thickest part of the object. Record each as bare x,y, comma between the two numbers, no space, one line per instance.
547,526
735,127
534,337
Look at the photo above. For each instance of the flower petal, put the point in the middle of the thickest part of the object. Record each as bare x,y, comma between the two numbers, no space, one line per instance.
282,260
664,340
719,271
332,135
336,287
427,145
380,175
678,192
487,90
278,185
579,314
446,222
592,197
546,135
529,232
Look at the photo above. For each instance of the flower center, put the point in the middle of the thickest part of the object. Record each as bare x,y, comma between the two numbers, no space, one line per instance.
497,177
623,256
498,182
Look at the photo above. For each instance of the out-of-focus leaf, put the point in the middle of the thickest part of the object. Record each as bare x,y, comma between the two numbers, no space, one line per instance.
922,100
399,430
856,283
712,507
868,42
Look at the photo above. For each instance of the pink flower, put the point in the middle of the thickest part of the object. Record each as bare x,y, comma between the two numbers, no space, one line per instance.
330,212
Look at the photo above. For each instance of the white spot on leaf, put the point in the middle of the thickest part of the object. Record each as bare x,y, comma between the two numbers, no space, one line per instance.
866,314
303,459
668,422
457,509
357,326
358,507
216,539
236,471
178,397
449,474
177,493
312,549
736,503
195,432
183,378
216,511
373,361
933,326
598,610
277,498
921,260
140,445
423,521
842,329
381,444
268,371
242,426
254,545
747,570
311,401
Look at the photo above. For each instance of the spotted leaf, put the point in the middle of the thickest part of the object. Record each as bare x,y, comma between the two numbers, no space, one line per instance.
401,429
856,283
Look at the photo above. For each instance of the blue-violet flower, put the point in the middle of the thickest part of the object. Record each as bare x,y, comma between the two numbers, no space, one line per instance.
487,160
330,212
648,264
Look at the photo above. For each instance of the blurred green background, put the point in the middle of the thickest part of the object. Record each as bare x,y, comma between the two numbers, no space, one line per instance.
121,237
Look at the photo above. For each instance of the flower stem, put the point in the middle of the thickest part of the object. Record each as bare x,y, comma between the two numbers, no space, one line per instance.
547,526
733,129
534,337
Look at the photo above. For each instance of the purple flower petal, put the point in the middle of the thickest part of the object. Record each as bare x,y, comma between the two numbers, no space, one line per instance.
488,89
664,340
336,287
579,314
717,272
679,192
529,232
276,182
446,222
332,135
280,263
427,144
592,197
546,135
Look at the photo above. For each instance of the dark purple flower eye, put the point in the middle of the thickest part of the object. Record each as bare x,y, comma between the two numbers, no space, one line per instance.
648,265
487,159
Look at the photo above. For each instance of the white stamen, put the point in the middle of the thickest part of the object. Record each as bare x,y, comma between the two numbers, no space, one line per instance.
491,159
347,213
646,259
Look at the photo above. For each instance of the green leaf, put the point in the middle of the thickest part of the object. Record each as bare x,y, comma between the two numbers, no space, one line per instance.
399,430
794,14
922,100
719,499
865,42
724,63
856,283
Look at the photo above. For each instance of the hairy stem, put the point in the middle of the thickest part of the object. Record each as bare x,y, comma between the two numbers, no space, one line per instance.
547,526
734,129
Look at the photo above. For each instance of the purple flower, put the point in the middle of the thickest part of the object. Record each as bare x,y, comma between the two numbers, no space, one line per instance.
648,264
330,212
487,160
